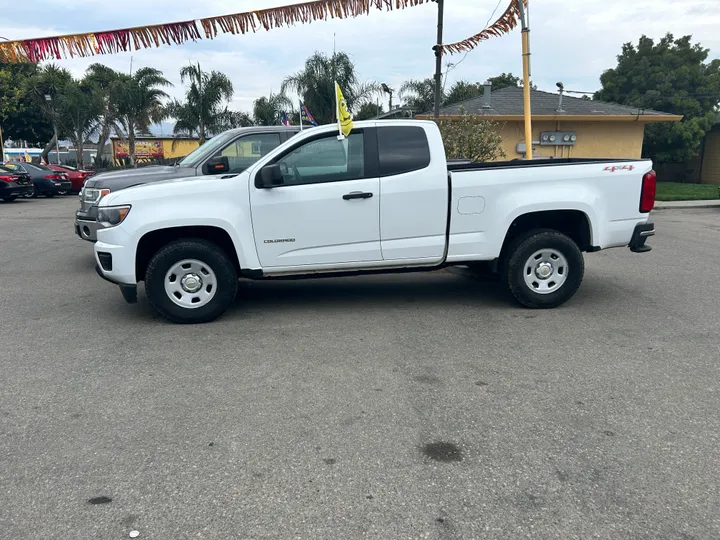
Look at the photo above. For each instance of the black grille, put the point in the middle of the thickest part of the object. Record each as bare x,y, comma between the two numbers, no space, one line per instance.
105,261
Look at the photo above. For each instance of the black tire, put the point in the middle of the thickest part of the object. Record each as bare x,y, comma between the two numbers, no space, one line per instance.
515,269
63,192
212,256
33,194
10,199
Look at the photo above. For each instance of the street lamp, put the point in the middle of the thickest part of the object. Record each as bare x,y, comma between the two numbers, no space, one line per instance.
387,90
48,98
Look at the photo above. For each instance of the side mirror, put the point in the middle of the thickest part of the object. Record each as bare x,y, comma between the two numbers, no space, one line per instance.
270,176
217,165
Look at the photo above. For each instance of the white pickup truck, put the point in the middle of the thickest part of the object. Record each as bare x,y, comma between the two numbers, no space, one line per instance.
383,199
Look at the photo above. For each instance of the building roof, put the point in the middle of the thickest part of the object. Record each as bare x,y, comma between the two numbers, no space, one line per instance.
507,102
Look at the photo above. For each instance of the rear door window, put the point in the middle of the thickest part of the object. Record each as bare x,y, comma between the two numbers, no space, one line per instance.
402,149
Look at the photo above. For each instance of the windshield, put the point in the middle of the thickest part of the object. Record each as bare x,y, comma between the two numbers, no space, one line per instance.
200,154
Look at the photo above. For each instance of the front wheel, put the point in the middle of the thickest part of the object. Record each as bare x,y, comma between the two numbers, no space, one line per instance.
544,269
191,281
33,194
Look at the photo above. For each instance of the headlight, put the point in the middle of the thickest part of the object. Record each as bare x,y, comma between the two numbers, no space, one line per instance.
109,216
92,195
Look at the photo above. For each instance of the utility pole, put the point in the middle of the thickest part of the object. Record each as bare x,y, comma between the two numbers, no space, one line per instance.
438,58
524,22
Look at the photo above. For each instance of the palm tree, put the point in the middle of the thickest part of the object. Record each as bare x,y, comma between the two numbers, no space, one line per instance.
268,111
79,109
48,81
203,110
140,102
419,95
105,80
315,84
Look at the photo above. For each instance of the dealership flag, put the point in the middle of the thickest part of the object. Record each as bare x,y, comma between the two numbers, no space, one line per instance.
345,122
306,116
285,120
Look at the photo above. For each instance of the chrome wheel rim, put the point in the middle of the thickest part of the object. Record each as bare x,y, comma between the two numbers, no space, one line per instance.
190,283
545,271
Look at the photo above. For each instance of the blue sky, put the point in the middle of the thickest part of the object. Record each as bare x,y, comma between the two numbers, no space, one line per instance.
572,41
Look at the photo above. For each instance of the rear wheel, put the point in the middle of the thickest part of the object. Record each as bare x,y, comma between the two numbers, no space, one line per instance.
10,199
544,269
63,191
191,281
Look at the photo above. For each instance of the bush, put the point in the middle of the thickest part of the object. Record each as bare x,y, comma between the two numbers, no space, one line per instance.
471,137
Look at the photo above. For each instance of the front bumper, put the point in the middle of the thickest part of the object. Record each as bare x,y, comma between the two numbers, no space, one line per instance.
86,229
86,224
640,235
116,245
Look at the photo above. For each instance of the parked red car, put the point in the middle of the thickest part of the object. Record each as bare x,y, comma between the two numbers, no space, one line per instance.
76,177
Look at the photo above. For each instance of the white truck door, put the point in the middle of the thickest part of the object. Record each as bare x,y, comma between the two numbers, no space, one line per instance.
413,192
327,209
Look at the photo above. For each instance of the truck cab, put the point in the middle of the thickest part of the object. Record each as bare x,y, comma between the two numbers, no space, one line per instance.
232,151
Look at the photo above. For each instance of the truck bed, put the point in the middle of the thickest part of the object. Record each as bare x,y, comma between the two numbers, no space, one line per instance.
521,163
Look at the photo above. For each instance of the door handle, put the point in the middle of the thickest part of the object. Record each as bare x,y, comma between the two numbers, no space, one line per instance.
357,195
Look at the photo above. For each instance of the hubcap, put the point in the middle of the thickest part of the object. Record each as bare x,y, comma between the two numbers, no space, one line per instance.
190,283
545,271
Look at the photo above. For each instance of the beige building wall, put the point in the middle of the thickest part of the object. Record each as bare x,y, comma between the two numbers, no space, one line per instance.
594,139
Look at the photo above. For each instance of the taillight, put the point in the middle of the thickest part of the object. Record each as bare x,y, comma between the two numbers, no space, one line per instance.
8,178
53,177
647,193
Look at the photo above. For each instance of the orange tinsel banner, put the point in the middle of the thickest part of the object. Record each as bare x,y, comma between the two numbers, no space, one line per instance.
143,37
505,23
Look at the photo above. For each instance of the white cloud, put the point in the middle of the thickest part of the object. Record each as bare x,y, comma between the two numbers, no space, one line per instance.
571,41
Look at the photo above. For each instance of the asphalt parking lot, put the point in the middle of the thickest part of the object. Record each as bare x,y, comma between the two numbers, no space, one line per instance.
389,407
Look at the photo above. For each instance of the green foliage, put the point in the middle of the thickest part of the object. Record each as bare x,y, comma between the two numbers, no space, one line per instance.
368,111
462,90
315,84
105,80
471,137
268,111
204,111
670,76
419,95
139,100
21,118
505,80
78,109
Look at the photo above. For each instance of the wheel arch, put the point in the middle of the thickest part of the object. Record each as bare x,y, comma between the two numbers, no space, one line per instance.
152,241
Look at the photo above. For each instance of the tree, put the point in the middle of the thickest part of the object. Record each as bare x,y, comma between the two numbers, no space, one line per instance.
204,110
463,90
269,111
79,109
48,81
140,102
315,85
505,80
235,119
21,117
670,76
419,95
106,83
471,137
368,111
